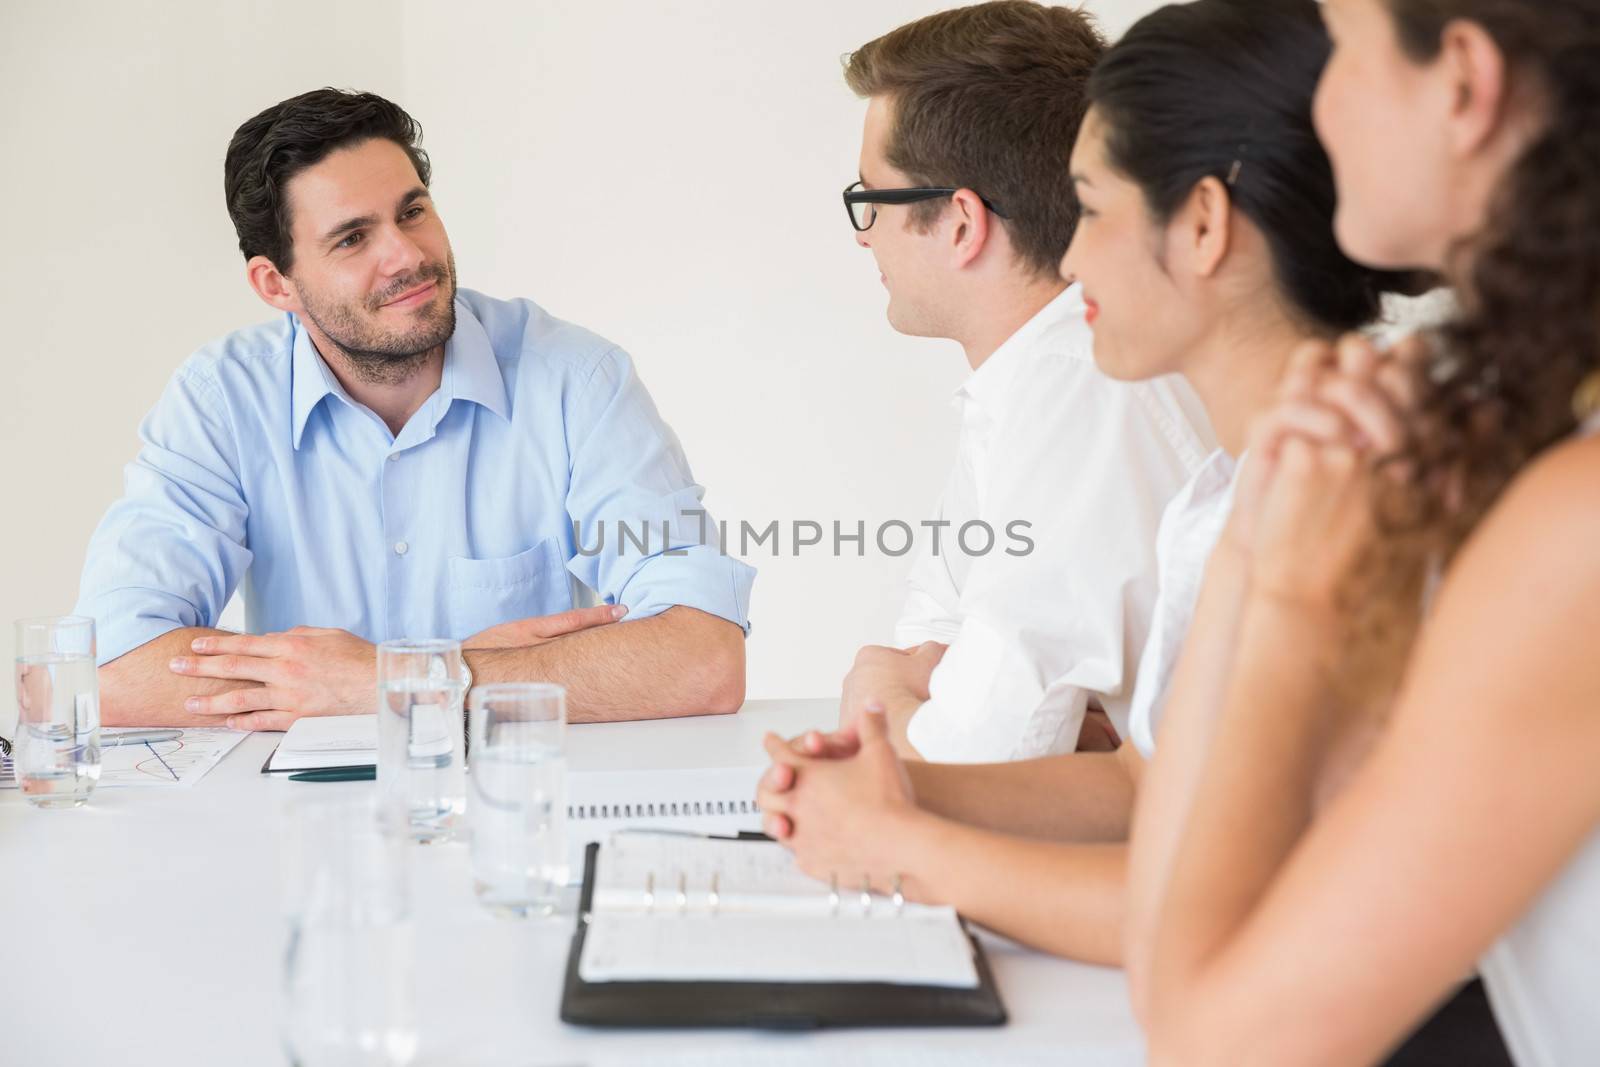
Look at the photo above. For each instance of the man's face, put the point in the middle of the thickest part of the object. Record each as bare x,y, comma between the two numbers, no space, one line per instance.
372,264
908,258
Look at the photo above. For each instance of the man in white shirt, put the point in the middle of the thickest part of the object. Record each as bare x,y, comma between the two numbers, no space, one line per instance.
1033,602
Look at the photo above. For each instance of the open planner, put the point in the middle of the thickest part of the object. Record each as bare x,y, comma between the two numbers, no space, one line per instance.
681,930
713,800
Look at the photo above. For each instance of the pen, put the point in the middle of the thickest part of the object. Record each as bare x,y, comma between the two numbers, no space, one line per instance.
341,774
138,737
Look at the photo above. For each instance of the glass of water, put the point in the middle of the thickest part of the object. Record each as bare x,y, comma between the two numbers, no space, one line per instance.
57,752
519,796
421,762
349,973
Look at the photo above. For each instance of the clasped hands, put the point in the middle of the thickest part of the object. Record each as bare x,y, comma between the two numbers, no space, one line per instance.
843,802
895,679
312,670
1303,511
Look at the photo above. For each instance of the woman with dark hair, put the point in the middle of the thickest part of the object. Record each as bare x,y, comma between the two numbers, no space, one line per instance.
1195,259
1385,775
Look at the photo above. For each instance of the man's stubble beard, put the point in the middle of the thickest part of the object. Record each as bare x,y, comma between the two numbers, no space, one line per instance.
380,359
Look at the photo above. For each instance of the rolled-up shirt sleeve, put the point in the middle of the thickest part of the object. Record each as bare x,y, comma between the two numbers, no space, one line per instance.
642,537
171,551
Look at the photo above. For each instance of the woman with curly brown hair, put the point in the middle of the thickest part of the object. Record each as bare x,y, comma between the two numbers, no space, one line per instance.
1392,777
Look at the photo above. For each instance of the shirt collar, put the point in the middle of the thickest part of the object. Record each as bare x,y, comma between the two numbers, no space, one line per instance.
994,374
471,372
312,380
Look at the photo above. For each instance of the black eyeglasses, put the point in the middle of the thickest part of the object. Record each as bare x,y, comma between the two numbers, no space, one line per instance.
862,204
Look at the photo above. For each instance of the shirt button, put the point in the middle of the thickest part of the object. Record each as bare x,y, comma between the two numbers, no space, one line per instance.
393,456
400,548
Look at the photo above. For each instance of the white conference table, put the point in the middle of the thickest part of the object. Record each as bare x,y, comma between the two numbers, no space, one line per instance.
145,928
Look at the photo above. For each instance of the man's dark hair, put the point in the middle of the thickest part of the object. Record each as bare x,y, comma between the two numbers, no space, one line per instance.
989,98
287,138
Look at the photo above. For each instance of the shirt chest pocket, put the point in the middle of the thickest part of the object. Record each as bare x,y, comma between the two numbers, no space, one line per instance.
487,592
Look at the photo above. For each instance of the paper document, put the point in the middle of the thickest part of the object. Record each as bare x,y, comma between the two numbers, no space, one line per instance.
318,741
675,908
180,762
183,761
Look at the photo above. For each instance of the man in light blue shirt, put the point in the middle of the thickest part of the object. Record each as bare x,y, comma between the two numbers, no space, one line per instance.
397,457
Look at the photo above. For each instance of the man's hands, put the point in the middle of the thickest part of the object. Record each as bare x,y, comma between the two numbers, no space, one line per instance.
891,678
314,671
306,671
841,802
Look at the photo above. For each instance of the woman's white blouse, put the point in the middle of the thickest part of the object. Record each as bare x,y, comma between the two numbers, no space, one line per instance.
1190,526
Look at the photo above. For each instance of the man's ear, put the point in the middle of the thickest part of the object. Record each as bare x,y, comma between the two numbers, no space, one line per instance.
271,284
1201,230
1475,73
969,220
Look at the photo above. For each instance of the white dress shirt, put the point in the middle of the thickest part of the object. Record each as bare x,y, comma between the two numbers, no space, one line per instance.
1189,531
1089,463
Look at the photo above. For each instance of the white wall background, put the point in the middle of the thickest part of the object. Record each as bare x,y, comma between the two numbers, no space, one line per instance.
665,173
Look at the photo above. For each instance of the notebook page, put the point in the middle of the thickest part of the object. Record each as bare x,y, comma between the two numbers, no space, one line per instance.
928,949
679,908
716,800
746,875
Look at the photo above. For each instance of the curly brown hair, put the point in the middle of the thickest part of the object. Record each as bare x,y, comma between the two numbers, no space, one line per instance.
1505,376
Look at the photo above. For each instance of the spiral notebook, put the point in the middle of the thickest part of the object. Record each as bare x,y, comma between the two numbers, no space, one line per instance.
715,800
680,930
703,800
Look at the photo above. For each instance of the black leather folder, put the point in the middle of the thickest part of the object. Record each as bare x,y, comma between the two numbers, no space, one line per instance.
768,1005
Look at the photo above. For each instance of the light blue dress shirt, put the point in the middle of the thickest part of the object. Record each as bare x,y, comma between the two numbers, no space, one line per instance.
257,467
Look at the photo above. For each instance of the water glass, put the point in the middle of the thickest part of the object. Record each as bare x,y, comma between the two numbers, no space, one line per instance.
421,757
349,986
519,796
57,753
